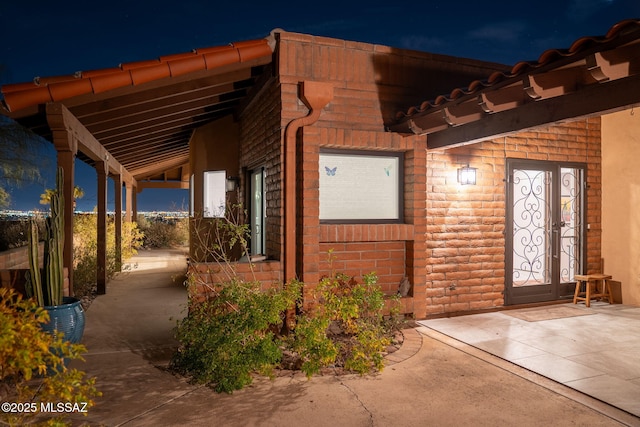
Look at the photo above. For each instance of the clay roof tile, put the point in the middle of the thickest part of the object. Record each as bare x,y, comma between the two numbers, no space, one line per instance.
45,89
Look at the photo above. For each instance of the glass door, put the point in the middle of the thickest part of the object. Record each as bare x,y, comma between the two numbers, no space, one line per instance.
544,232
258,212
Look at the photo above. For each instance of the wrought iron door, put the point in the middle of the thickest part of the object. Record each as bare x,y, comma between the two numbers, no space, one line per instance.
544,230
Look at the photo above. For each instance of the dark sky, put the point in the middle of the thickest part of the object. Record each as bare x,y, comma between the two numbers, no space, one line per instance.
47,38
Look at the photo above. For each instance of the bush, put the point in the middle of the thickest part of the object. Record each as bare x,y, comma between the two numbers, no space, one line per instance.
228,336
231,333
346,328
13,234
32,368
162,233
85,244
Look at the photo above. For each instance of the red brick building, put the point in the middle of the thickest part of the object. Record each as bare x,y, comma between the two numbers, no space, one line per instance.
329,158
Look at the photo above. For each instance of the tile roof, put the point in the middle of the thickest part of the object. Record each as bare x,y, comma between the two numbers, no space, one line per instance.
47,89
144,113
552,59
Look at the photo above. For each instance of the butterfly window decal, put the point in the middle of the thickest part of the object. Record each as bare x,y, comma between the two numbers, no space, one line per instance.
331,171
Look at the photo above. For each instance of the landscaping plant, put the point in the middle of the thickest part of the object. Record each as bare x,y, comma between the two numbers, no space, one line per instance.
345,328
232,333
48,288
235,329
163,233
32,368
85,247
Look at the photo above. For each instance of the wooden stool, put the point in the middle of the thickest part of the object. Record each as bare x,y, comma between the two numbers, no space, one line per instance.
588,280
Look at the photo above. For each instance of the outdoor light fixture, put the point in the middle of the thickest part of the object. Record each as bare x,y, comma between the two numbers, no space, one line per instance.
467,176
232,183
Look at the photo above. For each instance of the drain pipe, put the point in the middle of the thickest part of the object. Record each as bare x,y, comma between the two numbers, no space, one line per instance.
315,95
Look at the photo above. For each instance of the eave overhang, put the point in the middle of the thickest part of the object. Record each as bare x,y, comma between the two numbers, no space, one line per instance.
594,76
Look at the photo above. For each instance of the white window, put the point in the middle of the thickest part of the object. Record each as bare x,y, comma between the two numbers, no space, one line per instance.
360,186
214,196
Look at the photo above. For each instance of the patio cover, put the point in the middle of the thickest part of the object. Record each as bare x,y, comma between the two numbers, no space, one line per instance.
143,113
595,75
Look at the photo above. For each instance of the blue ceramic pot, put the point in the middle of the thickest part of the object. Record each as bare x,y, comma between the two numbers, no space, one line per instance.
67,318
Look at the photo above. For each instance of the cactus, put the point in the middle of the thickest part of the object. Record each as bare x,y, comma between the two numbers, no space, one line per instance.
48,290
33,285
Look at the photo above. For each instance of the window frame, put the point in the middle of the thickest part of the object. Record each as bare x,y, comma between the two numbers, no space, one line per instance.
358,156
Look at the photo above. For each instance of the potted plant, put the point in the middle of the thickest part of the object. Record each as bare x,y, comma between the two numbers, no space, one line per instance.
46,286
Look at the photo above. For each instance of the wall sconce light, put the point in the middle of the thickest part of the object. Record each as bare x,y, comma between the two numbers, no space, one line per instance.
232,183
467,176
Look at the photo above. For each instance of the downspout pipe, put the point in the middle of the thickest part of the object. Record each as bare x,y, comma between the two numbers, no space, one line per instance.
316,96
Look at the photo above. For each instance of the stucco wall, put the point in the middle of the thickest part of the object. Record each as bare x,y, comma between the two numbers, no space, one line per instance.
212,147
621,201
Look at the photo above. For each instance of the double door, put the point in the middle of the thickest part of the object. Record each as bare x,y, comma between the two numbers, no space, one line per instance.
545,230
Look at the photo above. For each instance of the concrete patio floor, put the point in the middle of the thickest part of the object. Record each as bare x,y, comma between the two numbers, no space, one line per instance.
432,380
595,350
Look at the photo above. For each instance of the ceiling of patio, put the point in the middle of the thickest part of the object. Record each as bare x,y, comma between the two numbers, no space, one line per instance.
144,113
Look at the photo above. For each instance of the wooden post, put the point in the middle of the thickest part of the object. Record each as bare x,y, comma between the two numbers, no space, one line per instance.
117,179
67,147
66,160
129,202
101,274
134,203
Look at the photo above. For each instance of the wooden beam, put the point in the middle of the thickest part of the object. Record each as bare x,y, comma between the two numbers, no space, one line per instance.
60,117
185,172
125,125
183,185
504,99
592,100
161,166
614,64
154,106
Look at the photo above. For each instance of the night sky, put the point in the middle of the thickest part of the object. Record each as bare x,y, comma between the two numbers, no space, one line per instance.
45,38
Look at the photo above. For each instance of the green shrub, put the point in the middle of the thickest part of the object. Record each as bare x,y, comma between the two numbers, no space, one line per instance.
345,328
229,335
312,344
32,368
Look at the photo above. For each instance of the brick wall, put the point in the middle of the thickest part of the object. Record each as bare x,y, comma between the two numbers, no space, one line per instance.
260,145
451,241
465,225
370,84
205,275
385,258
17,258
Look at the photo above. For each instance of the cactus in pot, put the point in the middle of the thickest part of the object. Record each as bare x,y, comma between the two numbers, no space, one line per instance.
48,287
